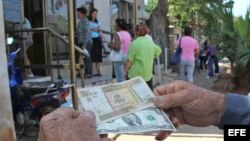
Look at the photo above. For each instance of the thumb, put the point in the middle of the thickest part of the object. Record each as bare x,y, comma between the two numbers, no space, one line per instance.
171,100
164,102
91,116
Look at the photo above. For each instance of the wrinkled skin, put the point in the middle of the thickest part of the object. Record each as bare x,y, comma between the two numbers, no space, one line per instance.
68,125
188,104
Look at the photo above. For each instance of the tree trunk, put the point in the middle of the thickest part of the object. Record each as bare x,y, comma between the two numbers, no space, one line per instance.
158,24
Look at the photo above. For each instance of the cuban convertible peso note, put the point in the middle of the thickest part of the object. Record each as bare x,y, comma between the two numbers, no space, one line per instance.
113,101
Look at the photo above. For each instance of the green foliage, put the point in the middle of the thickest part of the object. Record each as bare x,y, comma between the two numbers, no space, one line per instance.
242,27
150,5
243,62
231,34
187,11
219,27
191,12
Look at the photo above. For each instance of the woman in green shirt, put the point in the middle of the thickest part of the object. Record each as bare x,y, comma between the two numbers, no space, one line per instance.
141,56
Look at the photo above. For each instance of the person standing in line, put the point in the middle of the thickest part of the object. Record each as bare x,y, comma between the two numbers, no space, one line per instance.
148,35
211,55
141,56
190,49
216,64
84,40
96,54
28,44
122,40
203,57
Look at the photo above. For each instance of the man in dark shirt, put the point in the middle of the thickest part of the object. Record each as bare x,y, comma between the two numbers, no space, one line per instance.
84,39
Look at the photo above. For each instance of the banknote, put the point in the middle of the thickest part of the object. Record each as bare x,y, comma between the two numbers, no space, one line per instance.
148,120
112,101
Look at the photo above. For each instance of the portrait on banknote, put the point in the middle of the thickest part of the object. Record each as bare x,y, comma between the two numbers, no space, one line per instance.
132,120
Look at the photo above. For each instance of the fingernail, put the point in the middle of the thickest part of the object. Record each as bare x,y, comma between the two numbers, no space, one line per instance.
159,99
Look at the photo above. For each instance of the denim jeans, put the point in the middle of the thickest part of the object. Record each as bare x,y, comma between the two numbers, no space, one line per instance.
119,70
187,70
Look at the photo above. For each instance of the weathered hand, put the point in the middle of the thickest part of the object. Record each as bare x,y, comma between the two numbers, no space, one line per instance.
68,125
186,103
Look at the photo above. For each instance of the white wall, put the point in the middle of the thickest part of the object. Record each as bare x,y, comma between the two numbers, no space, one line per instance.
6,119
142,14
103,7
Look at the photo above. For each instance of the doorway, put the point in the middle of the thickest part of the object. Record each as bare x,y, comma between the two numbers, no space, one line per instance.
33,11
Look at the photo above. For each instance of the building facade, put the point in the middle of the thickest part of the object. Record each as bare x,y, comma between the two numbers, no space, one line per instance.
53,14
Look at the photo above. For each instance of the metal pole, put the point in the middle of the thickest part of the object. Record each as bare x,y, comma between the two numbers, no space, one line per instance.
59,76
159,70
50,56
25,55
136,11
45,24
72,52
166,59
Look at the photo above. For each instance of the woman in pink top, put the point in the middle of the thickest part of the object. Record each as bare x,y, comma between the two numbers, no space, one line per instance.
190,49
122,40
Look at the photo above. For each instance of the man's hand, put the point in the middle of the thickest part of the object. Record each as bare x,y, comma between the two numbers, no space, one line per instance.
110,45
186,103
68,125
127,66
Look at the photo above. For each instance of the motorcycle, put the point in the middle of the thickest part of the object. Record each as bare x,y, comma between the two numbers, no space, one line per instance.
31,103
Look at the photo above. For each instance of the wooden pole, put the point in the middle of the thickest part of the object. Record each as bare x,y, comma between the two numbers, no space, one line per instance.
136,11
45,24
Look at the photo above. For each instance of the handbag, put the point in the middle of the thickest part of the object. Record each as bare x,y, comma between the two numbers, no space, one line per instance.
176,58
116,56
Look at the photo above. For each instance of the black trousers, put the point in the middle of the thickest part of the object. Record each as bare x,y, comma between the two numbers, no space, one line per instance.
203,64
87,60
150,83
216,64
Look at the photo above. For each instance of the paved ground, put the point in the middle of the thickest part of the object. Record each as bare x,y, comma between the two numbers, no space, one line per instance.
184,133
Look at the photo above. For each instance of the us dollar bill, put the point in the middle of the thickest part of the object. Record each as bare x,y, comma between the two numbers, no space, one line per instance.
113,101
147,120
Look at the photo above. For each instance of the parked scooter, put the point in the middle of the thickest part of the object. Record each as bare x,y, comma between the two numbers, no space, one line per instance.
31,103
